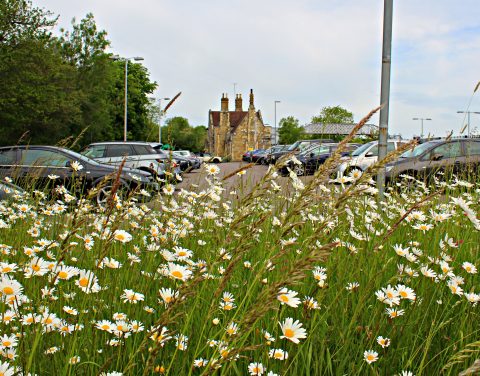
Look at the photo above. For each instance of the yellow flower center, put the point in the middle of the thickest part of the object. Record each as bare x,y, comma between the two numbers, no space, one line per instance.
284,298
83,282
278,355
105,327
7,290
403,294
177,274
6,343
63,275
6,269
36,267
48,320
370,357
289,333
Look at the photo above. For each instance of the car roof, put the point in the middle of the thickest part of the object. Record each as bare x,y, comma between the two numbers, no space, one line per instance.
122,143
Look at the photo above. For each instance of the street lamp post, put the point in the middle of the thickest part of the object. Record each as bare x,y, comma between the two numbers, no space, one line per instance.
421,119
160,119
126,60
275,139
468,114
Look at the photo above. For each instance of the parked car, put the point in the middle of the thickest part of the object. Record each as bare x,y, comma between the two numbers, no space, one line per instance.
209,158
195,162
34,167
296,148
251,155
311,159
185,163
138,155
274,149
438,158
364,156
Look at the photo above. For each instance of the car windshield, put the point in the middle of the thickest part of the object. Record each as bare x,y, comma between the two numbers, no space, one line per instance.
81,157
317,150
293,146
359,151
418,150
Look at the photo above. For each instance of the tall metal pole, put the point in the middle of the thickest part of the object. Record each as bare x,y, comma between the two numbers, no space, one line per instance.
126,101
468,118
385,92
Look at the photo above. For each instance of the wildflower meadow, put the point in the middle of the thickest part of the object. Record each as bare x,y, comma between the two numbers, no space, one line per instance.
290,278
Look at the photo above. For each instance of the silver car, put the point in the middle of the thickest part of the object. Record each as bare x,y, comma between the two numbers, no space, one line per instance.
139,155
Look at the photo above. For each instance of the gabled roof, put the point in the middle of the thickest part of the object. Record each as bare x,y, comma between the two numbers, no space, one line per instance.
236,118
340,129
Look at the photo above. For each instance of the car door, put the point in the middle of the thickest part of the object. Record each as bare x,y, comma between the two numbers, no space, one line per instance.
39,166
472,158
116,153
9,164
445,159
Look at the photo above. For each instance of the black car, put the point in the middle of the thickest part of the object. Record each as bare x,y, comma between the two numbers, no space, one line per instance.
39,167
297,148
311,159
437,158
252,155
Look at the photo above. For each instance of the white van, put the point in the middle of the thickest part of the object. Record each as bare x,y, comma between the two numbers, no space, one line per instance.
364,156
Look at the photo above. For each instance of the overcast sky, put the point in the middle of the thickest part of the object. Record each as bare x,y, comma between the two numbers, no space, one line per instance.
305,53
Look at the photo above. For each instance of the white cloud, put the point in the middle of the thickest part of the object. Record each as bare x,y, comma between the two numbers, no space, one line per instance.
306,53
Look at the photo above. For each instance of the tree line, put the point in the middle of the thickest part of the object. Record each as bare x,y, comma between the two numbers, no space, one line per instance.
62,87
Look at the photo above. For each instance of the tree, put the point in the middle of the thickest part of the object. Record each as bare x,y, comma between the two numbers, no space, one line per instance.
181,135
19,21
289,130
333,115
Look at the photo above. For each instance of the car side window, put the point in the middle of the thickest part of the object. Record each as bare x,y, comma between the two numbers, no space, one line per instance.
472,148
43,158
143,150
118,151
448,150
8,157
95,151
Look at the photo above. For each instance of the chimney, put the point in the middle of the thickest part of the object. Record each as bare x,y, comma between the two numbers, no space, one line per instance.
224,103
238,103
251,99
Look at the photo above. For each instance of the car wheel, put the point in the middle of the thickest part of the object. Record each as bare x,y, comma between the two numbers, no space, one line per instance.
299,169
104,191
216,160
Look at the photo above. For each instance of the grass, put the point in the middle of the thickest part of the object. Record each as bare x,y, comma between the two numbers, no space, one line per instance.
250,247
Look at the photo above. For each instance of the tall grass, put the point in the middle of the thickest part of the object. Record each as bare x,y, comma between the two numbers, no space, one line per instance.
332,243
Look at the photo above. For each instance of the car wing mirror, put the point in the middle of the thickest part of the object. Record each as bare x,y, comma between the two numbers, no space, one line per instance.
312,155
369,154
436,157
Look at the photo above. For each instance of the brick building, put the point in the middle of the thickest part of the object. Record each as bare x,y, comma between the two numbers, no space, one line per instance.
232,133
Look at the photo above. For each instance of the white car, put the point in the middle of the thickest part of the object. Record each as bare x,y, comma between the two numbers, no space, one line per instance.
364,156
209,158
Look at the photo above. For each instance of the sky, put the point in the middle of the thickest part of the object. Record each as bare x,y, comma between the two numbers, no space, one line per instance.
307,54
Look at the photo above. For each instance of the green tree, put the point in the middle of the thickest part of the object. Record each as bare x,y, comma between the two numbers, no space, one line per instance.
333,115
290,130
181,135
19,21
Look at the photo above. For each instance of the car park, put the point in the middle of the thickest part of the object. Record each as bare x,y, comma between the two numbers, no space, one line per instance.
296,148
138,155
44,167
440,158
194,162
309,161
364,156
